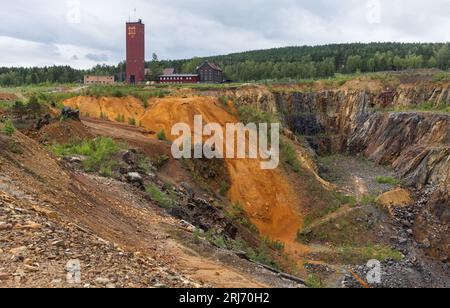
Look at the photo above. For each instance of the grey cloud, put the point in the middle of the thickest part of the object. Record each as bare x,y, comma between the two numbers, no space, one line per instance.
97,57
186,28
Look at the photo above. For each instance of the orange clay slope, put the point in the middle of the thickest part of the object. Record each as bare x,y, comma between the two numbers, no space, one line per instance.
265,195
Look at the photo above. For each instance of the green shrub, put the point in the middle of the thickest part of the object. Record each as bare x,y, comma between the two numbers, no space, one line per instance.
442,77
9,128
356,255
161,135
238,214
223,100
6,105
99,153
251,115
120,118
314,282
159,197
388,180
224,187
367,199
276,245
217,240
117,93
289,156
345,199
160,160
144,163
104,116
132,121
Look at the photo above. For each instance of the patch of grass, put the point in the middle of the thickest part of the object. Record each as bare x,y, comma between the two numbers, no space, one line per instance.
117,93
441,107
161,135
8,128
276,245
120,118
387,180
224,188
442,77
132,121
159,197
104,116
367,200
144,163
261,254
357,255
55,99
249,114
160,160
139,92
99,153
217,240
345,199
6,105
224,100
237,214
288,155
314,282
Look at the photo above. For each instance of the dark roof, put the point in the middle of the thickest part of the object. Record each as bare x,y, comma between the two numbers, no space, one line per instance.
214,66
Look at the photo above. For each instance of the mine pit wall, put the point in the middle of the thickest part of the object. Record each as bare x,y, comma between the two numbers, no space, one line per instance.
416,144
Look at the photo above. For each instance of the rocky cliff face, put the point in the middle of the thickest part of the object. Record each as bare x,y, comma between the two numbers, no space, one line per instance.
388,127
415,143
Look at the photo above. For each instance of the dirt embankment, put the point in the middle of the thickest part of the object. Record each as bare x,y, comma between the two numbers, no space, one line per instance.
50,214
269,200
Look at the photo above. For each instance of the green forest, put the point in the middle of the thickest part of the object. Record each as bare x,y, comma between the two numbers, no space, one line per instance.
289,63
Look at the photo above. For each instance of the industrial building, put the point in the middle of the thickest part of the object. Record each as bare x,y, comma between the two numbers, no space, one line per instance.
105,80
210,73
179,78
136,72
135,33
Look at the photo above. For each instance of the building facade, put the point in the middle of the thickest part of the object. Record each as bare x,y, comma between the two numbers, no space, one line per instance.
135,33
179,78
91,79
210,73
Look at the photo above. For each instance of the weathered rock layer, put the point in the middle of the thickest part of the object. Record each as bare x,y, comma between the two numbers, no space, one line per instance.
415,143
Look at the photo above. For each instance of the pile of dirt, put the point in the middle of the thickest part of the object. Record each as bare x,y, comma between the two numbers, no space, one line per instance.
8,97
108,108
63,132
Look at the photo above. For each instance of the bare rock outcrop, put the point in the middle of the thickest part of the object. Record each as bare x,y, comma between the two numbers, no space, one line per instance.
416,144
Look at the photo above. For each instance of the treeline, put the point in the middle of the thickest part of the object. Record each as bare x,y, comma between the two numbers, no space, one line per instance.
276,64
324,61
53,74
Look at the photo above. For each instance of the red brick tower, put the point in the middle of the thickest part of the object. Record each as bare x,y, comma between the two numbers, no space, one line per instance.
135,52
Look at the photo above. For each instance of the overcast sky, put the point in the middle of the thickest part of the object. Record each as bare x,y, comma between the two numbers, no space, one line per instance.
82,33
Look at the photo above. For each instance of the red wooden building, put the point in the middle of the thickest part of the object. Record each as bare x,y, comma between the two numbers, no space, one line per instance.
135,52
179,78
